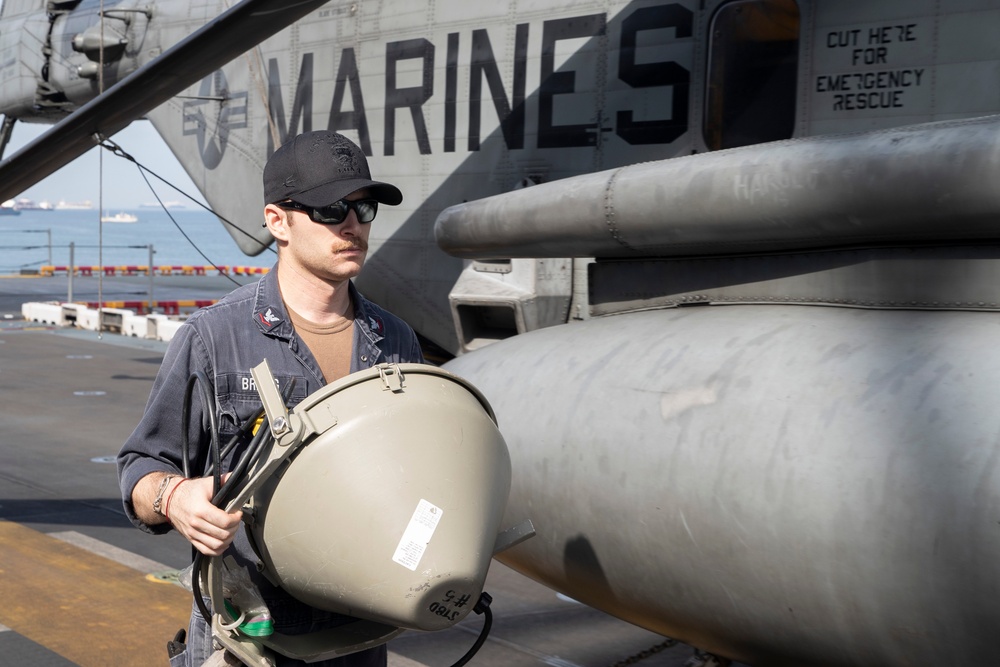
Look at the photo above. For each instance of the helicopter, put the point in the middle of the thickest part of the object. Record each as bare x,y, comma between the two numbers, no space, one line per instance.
726,270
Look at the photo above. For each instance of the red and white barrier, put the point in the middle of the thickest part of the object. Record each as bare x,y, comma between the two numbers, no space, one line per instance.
163,270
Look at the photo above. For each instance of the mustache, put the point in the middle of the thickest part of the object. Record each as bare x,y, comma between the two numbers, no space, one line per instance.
356,244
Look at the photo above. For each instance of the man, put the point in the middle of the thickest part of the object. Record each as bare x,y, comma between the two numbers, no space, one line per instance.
310,323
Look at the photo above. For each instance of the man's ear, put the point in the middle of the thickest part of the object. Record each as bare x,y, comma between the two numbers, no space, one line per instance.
276,221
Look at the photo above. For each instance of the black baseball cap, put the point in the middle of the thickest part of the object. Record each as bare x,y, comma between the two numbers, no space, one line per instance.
319,168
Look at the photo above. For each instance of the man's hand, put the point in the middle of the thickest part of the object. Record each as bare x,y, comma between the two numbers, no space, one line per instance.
192,513
188,504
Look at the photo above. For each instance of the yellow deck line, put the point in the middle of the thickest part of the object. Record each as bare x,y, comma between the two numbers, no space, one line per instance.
87,608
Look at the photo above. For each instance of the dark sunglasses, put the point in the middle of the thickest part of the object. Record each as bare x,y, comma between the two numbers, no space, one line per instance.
336,213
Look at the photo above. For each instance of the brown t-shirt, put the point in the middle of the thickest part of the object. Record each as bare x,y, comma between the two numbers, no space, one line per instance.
329,343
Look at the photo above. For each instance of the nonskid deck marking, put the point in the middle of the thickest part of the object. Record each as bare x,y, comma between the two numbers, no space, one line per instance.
87,608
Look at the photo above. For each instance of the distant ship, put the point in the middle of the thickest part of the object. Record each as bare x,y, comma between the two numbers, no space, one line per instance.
166,204
25,204
7,208
74,206
119,217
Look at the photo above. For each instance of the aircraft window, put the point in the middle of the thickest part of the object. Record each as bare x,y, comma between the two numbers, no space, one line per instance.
752,70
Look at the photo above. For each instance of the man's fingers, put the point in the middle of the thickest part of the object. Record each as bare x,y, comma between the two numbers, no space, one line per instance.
210,538
208,546
209,528
234,520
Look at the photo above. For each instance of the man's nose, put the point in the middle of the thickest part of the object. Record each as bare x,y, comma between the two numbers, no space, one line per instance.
351,224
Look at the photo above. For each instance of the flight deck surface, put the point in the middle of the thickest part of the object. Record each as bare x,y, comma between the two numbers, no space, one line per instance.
81,586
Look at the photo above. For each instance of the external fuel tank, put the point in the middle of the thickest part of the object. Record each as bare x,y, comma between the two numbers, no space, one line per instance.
779,484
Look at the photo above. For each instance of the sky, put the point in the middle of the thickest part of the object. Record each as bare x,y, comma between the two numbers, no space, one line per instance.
122,184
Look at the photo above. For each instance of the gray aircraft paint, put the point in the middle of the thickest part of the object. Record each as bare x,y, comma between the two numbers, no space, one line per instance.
786,485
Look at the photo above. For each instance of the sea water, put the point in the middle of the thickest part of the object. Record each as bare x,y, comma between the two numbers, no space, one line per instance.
36,238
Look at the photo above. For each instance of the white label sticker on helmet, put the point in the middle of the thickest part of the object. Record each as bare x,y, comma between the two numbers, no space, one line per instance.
417,535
